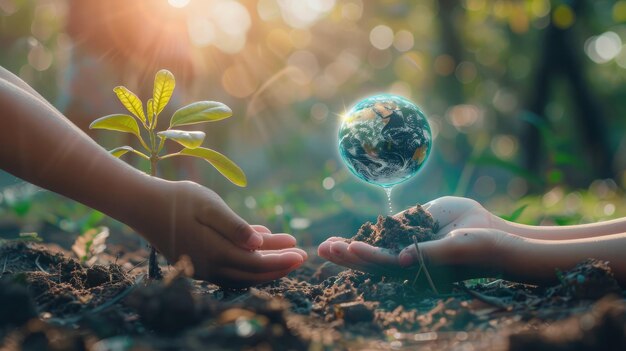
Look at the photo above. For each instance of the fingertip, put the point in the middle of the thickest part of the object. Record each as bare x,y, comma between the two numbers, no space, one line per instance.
305,255
293,260
300,252
358,245
280,239
337,247
361,249
261,228
291,240
405,259
323,248
255,240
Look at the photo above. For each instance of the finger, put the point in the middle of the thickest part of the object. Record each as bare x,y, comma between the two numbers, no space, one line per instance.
375,255
290,249
336,238
261,228
226,222
324,251
340,251
259,263
277,241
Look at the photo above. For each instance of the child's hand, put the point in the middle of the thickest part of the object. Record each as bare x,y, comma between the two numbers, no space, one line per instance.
185,218
469,239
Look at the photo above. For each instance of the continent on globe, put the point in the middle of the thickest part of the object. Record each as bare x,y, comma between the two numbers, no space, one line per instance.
384,139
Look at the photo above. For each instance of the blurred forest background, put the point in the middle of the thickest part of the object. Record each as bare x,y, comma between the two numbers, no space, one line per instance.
525,98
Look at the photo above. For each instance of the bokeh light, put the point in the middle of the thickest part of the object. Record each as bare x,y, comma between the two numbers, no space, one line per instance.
178,3
483,71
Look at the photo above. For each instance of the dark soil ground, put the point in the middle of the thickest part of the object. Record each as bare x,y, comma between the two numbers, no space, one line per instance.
51,302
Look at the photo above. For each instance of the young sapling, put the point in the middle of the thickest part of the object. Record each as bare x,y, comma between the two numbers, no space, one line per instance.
197,112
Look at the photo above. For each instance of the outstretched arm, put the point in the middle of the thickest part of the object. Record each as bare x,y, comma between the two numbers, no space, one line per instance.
473,244
41,146
456,212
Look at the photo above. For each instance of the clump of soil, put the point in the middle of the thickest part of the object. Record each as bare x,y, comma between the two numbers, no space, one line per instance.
20,310
396,232
590,279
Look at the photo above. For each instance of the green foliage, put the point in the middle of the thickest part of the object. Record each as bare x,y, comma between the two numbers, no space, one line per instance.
200,112
164,84
30,237
225,166
24,237
197,112
122,150
118,122
515,215
603,200
131,102
190,140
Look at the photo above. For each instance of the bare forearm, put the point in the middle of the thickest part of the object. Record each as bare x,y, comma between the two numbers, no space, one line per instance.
41,146
537,260
563,232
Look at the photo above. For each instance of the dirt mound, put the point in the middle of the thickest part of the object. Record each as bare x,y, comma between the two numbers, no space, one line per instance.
60,285
396,232
99,308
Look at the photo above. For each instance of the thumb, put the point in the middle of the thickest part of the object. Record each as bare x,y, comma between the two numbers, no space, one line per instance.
436,249
461,246
227,223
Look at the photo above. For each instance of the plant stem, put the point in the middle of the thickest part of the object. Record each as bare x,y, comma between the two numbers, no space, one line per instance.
154,271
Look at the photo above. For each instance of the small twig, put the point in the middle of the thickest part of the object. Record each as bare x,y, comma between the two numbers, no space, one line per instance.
137,265
422,265
39,266
417,275
4,268
490,300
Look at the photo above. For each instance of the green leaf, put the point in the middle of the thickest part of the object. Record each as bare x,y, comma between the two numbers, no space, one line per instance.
150,108
199,112
185,138
123,150
225,166
516,214
117,122
164,84
30,236
120,151
131,102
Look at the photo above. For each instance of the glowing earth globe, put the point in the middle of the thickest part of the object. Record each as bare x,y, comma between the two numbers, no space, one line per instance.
384,139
